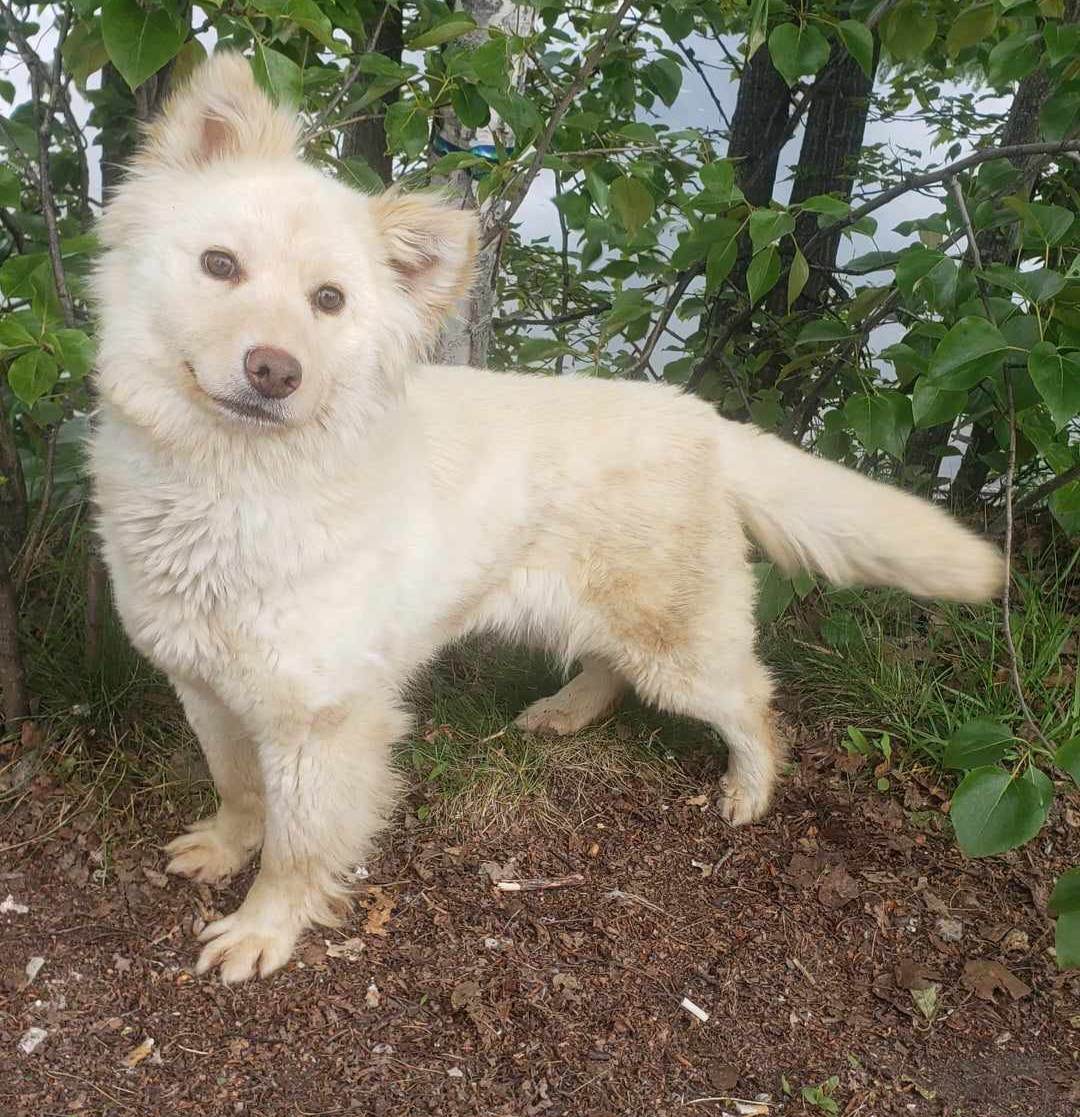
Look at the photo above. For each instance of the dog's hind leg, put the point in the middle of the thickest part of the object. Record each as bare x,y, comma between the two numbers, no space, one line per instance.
586,699
328,788
218,846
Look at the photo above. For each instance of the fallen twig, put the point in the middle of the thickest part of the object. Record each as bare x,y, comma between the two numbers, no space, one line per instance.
571,881
796,964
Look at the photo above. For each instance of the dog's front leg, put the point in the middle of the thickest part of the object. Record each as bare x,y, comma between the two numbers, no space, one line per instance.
218,846
328,788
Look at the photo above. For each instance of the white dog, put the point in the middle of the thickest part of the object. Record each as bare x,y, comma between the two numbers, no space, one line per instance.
297,514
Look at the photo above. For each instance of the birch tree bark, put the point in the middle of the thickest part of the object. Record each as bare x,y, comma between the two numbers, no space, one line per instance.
466,337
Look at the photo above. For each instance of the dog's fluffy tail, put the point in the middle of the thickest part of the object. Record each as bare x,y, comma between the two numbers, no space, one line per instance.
811,513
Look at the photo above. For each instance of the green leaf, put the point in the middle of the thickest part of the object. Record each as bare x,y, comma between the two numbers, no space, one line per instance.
32,375
1066,895
278,75
797,50
931,406
1058,380
450,28
720,261
775,591
1068,758
759,22
976,743
632,202
993,812
139,42
1037,286
536,349
1057,117
762,274
797,277
908,30
827,205
677,24
75,350
1049,223
859,40
1014,58
913,265
1065,904
518,111
407,128
14,335
1065,505
768,225
823,330
10,188
971,27
1067,940
84,50
359,174
881,421
378,65
971,350
718,178
628,307
469,104
304,13
664,77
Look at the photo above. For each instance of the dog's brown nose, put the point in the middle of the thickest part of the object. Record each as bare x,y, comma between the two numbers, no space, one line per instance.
273,373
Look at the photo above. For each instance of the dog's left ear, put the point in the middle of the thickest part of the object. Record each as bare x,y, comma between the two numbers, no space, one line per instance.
219,113
431,248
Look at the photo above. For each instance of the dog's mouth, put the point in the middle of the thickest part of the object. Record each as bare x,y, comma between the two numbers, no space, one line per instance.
268,413
253,412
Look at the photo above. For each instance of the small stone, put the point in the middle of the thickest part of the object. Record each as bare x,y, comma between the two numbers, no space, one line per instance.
455,1072
31,1040
1016,942
949,930
373,998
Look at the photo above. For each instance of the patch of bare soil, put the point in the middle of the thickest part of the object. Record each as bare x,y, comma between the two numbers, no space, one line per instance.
844,938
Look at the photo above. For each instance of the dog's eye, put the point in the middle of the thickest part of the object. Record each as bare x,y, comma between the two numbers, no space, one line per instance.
329,299
220,265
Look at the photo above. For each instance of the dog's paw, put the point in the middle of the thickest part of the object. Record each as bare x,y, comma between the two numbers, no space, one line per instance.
548,715
207,853
250,942
743,803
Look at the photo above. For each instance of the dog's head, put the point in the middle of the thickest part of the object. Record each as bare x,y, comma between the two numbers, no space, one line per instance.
243,287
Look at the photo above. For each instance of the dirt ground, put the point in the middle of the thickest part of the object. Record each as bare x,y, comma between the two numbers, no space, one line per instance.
843,946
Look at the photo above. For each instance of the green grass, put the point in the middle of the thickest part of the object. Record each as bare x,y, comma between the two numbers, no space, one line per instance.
875,660
883,662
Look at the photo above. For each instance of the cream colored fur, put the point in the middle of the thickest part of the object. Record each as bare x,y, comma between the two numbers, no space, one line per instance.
290,575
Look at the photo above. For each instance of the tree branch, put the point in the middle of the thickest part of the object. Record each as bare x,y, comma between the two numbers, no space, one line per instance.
1010,479
1047,488
928,178
684,280
317,127
591,61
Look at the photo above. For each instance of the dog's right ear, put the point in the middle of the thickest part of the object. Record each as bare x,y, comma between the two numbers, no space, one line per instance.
219,113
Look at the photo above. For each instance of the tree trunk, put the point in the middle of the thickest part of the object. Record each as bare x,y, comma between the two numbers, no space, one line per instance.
828,157
367,138
970,478
1021,127
758,127
12,529
467,336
